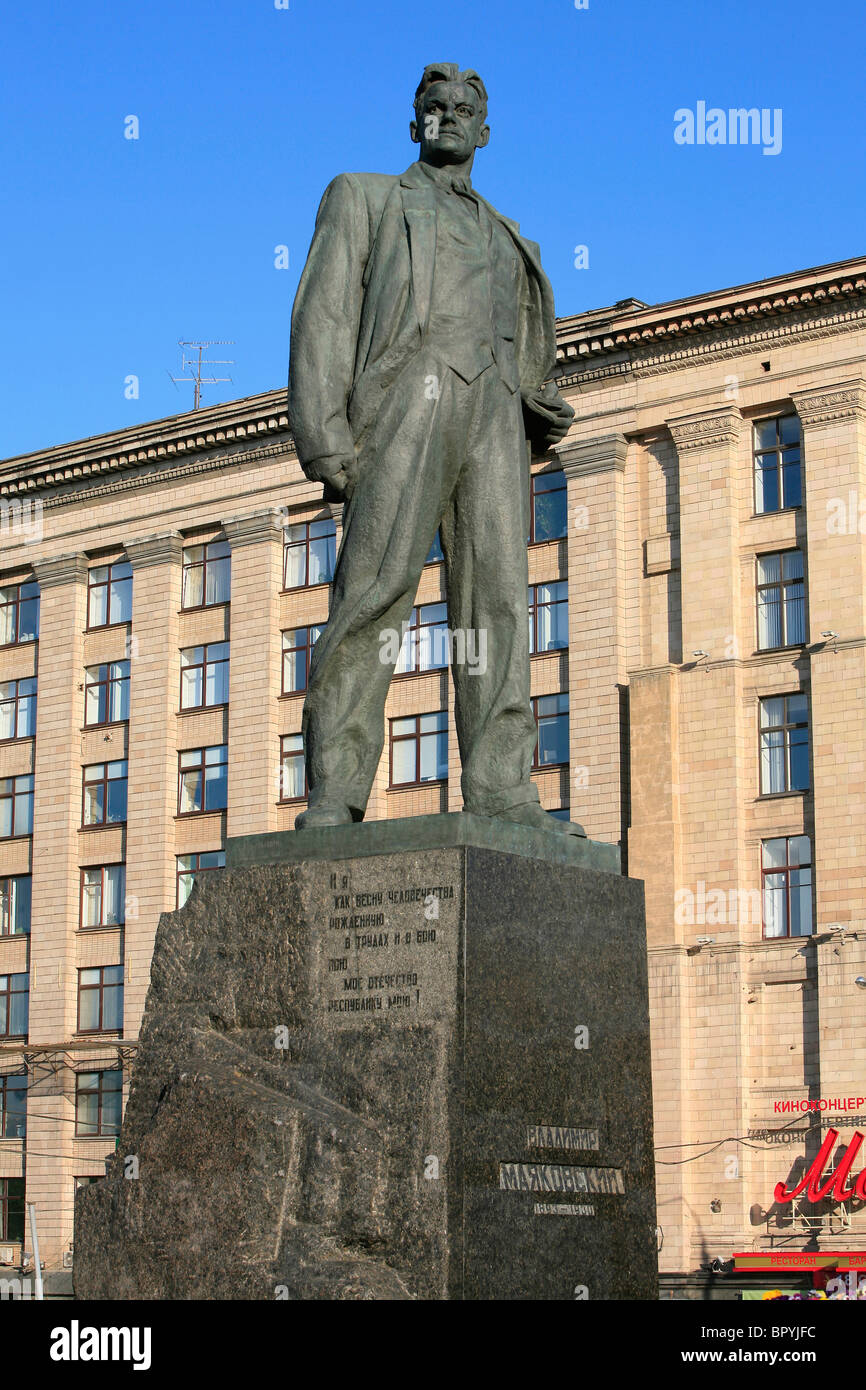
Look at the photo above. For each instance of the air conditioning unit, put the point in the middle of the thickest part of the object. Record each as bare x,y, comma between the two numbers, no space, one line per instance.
67,1259
7,1255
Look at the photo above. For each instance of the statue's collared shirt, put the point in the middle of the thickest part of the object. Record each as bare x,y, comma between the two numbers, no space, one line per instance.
475,282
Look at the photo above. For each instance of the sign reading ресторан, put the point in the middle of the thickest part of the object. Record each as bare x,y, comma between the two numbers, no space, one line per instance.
386,944
560,1177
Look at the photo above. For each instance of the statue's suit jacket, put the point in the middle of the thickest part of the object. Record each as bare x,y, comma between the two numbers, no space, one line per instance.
364,299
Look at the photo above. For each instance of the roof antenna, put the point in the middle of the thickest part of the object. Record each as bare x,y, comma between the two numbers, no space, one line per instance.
194,365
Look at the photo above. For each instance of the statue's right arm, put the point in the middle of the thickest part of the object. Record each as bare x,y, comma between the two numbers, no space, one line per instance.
325,323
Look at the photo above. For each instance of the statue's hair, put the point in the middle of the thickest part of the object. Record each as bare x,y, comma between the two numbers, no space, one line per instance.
450,72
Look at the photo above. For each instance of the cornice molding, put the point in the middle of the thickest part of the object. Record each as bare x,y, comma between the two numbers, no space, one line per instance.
163,549
825,405
146,477
156,443
635,328
710,429
604,454
63,569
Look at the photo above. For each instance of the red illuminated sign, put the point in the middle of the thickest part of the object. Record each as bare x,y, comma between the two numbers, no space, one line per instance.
834,1186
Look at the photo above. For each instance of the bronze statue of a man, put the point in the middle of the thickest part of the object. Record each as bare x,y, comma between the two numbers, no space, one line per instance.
422,336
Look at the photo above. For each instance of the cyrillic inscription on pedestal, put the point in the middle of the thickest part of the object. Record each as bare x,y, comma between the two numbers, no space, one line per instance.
385,941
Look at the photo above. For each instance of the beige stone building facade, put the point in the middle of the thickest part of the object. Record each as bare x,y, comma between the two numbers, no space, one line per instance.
697,571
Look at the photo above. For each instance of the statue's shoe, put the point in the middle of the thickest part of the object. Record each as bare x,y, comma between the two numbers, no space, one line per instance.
324,814
535,816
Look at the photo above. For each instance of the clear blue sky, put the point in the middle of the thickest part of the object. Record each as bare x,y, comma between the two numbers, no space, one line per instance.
113,249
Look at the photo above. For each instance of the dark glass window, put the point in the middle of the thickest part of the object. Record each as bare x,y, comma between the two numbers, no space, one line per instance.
551,716
298,646
109,594
15,905
309,554
548,617
100,999
436,553
16,806
204,676
19,613
425,641
14,1005
18,708
778,481
207,575
104,794
781,600
103,895
98,1101
786,872
203,780
106,693
548,507
191,866
12,1210
13,1107
293,773
784,734
419,749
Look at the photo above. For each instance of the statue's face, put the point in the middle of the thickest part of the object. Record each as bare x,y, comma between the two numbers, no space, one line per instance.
451,126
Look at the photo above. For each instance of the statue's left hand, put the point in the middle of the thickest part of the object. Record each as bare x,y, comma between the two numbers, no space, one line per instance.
547,417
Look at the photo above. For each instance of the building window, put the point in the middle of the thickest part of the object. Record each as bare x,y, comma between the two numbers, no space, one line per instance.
298,645
98,1098
12,1210
18,708
109,594
106,693
103,893
548,617
16,806
778,483
293,771
104,794
204,676
14,1005
784,728
13,1107
19,613
419,749
100,999
551,716
190,866
203,780
207,575
786,872
309,554
436,554
425,640
15,905
781,600
561,813
548,507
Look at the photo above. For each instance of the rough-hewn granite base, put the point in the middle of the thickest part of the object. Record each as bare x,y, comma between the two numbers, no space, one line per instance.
367,1078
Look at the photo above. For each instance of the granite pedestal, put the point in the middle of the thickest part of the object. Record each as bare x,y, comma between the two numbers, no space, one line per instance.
397,1060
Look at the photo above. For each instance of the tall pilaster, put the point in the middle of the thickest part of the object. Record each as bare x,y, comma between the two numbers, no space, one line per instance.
833,419
594,471
55,886
152,800
254,671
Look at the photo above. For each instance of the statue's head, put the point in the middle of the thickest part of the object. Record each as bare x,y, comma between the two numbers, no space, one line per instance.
450,114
